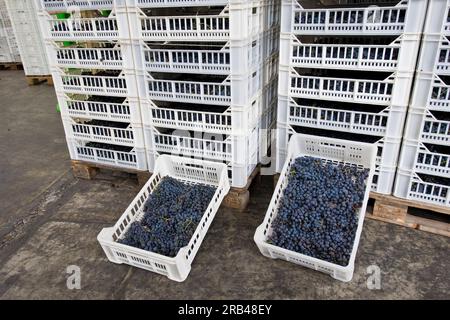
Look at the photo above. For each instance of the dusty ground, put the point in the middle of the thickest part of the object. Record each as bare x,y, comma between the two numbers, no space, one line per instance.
49,221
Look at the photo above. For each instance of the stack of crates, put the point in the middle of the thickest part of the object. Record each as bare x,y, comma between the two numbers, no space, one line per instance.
346,69
136,79
92,65
23,14
204,71
424,166
9,51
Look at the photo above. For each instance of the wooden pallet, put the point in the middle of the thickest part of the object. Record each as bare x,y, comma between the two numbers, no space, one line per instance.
88,170
11,66
35,80
394,210
238,198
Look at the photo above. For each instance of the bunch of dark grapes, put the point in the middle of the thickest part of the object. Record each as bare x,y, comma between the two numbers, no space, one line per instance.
172,213
318,212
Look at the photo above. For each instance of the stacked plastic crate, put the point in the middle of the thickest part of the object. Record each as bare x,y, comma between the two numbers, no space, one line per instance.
9,51
23,14
346,70
202,70
424,166
92,66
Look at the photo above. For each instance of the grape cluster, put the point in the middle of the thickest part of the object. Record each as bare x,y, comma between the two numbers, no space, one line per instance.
172,213
318,212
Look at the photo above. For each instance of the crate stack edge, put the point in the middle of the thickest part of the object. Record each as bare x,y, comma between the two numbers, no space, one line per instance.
377,47
23,14
91,61
9,51
424,166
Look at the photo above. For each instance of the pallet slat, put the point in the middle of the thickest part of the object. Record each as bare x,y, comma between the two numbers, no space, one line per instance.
88,170
395,210
35,80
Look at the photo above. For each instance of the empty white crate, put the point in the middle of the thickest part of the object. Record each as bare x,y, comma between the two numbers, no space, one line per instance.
396,56
409,185
335,151
81,129
372,20
135,158
207,59
384,123
82,106
178,267
64,5
231,121
96,58
239,153
74,82
235,21
426,159
380,92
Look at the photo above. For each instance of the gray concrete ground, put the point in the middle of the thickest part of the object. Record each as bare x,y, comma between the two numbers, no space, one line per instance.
49,220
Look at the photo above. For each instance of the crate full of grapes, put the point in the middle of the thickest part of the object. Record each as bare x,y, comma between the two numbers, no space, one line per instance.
164,226
317,210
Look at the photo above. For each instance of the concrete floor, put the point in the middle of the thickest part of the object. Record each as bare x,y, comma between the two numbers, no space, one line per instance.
49,220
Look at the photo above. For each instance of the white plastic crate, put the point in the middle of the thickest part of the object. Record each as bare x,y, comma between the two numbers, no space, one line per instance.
189,91
422,126
419,157
406,17
179,28
240,153
234,120
385,92
388,122
76,28
435,54
238,92
134,159
175,3
6,54
98,58
64,5
82,106
23,14
400,55
9,51
202,146
220,59
335,151
186,170
188,61
409,185
76,83
430,92
235,22
437,20
81,129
